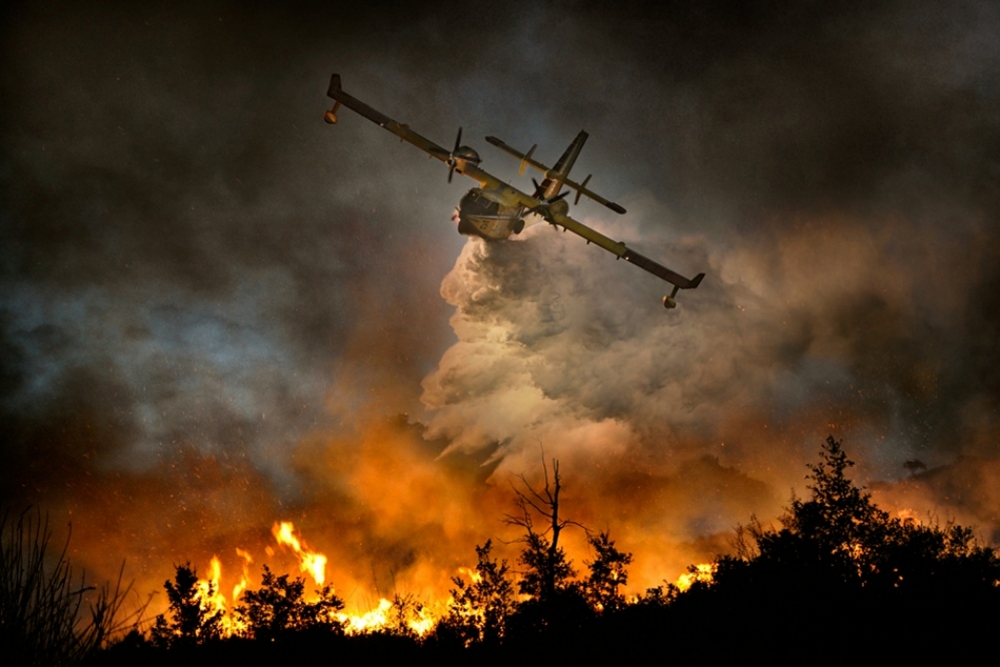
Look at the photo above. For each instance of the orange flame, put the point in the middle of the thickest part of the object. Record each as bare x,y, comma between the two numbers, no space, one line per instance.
471,573
419,620
212,600
376,619
309,561
245,579
423,622
702,572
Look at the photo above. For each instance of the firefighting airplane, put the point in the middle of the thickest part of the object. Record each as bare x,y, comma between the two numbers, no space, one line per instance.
495,210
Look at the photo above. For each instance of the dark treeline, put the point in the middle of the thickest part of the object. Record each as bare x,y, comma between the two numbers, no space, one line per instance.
838,578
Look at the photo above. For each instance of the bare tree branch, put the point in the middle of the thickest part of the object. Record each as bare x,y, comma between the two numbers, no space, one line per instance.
543,556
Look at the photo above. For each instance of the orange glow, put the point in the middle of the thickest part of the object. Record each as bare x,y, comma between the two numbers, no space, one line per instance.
390,616
471,573
423,622
212,600
372,621
245,579
702,572
210,588
311,562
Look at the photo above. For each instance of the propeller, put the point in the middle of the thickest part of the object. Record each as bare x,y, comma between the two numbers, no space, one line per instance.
459,152
451,158
538,189
543,206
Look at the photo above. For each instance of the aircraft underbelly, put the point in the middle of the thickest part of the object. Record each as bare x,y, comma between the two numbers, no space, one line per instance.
480,215
497,229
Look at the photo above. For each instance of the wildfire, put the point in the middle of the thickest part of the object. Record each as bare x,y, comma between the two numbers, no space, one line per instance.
212,598
471,573
423,623
311,562
702,572
209,589
213,601
373,620
403,613
245,579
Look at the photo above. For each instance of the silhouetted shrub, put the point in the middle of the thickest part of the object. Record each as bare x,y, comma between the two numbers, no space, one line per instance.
192,618
47,615
277,608
839,561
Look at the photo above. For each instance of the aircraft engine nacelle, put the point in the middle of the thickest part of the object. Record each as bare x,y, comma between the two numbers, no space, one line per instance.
467,154
668,301
559,207
330,115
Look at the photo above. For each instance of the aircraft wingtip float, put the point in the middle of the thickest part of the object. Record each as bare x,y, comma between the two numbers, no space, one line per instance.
495,210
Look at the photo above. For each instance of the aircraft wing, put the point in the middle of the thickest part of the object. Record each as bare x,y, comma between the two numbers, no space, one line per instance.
400,130
622,252
404,132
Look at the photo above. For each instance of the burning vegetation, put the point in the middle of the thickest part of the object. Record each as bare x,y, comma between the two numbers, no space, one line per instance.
835,559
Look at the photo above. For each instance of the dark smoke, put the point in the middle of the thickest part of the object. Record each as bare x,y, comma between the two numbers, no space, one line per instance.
204,286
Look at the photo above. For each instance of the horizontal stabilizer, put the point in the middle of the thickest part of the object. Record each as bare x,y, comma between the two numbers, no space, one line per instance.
661,271
581,189
334,86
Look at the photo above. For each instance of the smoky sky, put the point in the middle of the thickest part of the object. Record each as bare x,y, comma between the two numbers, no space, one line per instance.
195,267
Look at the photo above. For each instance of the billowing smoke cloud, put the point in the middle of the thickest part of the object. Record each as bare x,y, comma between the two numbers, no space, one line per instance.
823,330
214,307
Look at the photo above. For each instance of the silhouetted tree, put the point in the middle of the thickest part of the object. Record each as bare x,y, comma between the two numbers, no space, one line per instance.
480,609
278,608
838,558
192,619
839,526
406,611
547,571
607,574
555,607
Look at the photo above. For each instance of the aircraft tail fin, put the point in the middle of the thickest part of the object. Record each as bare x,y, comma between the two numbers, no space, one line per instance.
559,173
565,162
557,176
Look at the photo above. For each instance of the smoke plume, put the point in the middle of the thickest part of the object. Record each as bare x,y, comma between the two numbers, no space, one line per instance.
217,312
